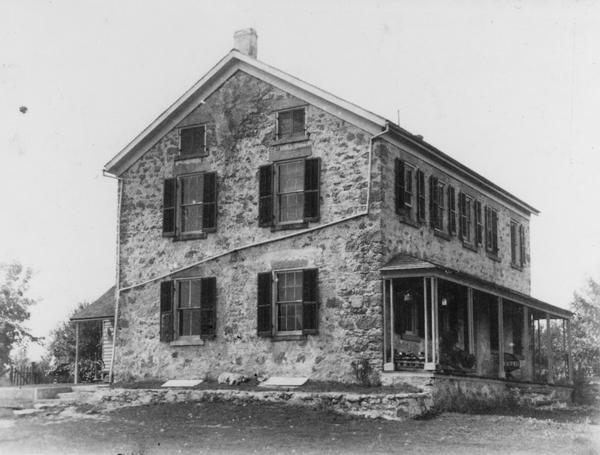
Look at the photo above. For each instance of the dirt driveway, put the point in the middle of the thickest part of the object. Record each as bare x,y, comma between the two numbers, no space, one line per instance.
225,427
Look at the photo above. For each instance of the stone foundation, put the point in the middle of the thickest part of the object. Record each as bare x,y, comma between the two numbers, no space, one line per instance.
399,406
457,393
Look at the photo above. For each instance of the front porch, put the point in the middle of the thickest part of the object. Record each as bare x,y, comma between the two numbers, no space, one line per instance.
448,323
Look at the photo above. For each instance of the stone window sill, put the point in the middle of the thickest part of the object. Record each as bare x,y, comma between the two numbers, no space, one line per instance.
406,219
290,226
195,236
469,246
291,337
290,139
441,234
492,256
192,156
187,341
517,267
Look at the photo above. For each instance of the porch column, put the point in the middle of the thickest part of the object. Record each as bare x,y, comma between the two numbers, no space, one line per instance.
501,372
434,322
392,323
426,323
76,379
528,370
569,356
471,327
385,335
550,379
388,360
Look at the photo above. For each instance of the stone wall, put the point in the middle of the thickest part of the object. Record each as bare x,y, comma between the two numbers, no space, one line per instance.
420,240
240,122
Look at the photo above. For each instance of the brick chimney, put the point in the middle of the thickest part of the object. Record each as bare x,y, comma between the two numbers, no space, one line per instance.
245,41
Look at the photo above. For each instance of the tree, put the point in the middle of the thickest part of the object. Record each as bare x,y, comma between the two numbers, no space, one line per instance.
14,308
61,342
586,331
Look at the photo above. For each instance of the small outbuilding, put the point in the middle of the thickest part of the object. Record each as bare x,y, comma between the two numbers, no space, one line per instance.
102,311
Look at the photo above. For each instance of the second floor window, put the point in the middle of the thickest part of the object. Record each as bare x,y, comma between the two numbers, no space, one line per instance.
451,210
291,123
491,230
517,244
189,204
192,141
466,223
404,191
289,193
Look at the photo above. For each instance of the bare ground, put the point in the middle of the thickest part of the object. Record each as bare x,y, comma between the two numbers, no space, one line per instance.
226,427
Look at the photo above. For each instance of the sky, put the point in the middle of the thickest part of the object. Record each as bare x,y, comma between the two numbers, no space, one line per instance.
508,88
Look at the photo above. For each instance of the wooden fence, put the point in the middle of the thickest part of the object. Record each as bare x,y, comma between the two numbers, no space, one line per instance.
27,374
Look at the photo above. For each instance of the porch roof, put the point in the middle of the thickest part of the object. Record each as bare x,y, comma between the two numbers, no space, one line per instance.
103,308
403,265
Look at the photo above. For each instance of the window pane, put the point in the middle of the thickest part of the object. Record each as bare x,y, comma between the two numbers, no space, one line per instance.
195,293
291,207
184,294
291,177
195,322
191,218
191,189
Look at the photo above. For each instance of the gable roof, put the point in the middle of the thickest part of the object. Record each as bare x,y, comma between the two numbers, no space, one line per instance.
103,308
368,121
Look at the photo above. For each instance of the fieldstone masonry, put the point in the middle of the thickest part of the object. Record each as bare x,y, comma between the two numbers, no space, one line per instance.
240,124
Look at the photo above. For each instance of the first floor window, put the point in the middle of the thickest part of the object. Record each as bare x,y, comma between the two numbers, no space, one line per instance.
287,302
289,192
188,308
189,204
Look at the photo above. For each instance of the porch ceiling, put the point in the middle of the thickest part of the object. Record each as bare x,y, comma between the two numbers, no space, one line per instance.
403,265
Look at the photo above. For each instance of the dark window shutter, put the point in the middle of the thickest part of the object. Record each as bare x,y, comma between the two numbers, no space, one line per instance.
166,311
264,305
208,307
312,182
400,184
310,298
285,124
298,121
186,141
209,207
433,204
265,196
198,139
522,250
169,202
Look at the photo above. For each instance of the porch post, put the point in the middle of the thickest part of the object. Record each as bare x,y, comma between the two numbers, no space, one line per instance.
434,323
527,345
385,335
392,322
471,327
550,379
501,372
76,379
569,356
426,322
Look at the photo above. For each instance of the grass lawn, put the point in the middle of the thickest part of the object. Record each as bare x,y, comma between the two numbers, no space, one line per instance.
226,427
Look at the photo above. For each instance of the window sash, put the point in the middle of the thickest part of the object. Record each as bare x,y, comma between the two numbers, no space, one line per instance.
288,301
408,186
189,307
290,200
190,209
421,199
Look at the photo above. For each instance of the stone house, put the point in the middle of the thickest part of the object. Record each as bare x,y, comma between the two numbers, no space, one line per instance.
269,227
